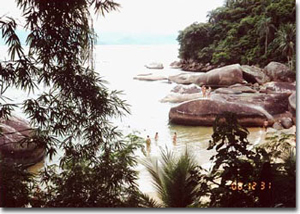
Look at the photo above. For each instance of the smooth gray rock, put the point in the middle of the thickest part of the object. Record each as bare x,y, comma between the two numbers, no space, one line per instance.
272,103
14,131
186,89
292,101
279,72
277,125
155,65
286,122
202,112
278,87
224,76
253,74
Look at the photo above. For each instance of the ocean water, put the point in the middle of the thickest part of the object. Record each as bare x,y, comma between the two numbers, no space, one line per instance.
119,65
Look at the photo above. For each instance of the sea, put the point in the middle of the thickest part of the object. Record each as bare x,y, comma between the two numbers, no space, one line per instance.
118,65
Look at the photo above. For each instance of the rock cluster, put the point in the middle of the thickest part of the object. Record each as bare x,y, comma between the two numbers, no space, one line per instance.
224,76
155,65
12,147
190,65
254,94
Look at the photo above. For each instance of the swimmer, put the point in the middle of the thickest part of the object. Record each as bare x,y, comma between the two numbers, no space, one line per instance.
203,89
175,138
148,143
208,91
266,123
156,136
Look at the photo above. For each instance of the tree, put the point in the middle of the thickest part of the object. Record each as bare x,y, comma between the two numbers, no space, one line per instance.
193,39
239,32
264,27
174,180
74,115
16,184
286,42
242,176
233,166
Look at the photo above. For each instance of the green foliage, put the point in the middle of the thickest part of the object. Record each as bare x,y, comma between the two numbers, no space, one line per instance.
282,148
174,179
107,180
242,32
233,164
285,41
240,176
193,38
74,116
245,177
15,185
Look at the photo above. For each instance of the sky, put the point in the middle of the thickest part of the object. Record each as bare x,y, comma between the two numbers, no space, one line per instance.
156,16
141,21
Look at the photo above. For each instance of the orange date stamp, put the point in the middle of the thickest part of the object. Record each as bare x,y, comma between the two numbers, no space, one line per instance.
252,186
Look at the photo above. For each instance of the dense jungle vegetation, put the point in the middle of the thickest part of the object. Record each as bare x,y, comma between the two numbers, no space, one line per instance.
97,166
243,31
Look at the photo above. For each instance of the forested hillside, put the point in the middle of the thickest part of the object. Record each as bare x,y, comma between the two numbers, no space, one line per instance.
245,32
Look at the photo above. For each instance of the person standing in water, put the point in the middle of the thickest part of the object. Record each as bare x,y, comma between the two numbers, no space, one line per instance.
148,143
175,138
266,123
156,137
208,91
203,89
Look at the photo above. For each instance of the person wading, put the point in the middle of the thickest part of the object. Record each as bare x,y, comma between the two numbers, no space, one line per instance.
148,143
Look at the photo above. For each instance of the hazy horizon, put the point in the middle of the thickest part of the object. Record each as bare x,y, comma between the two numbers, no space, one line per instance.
138,22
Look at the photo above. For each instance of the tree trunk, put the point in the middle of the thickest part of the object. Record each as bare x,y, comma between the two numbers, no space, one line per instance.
266,44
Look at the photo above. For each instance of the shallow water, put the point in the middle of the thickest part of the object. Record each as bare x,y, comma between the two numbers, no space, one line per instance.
118,65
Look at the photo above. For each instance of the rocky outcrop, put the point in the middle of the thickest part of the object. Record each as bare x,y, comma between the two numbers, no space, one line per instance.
202,112
150,77
277,125
176,65
182,93
286,122
13,149
155,65
292,106
235,89
272,103
278,87
219,77
179,98
279,72
253,74
190,65
292,102
186,89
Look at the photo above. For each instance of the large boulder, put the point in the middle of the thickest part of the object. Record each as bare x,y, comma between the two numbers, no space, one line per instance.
155,65
278,87
202,112
186,89
235,89
292,106
292,102
224,76
277,125
150,77
286,122
179,98
279,72
182,93
176,65
12,147
271,103
253,74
